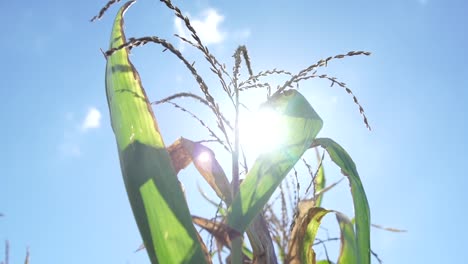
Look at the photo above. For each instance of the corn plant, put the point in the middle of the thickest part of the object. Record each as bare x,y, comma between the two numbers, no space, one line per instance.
150,168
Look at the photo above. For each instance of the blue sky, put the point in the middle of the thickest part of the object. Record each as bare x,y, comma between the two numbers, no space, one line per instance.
61,190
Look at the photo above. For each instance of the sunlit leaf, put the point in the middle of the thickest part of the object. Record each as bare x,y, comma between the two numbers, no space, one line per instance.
154,192
319,181
302,123
184,151
324,261
361,205
348,250
180,157
306,223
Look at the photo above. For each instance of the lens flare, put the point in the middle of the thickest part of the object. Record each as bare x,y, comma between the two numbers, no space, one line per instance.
204,157
261,131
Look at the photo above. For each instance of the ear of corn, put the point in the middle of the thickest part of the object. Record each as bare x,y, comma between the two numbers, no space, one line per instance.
153,190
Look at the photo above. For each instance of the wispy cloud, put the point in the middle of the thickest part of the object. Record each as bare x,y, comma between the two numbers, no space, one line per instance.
208,27
75,131
92,120
423,2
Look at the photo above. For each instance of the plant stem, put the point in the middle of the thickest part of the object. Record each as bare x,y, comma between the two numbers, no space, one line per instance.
235,153
236,253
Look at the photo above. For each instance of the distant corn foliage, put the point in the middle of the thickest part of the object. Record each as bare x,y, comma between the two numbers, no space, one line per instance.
279,222
7,253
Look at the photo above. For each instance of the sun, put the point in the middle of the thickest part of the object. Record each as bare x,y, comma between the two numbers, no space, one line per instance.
260,131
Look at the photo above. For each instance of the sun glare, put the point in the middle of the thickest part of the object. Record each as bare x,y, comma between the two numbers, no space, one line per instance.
260,131
204,157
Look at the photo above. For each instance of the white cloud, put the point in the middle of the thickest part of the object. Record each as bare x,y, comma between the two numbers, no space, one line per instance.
75,131
206,26
92,120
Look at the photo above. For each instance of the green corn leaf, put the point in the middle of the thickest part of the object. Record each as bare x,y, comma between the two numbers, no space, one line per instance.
155,195
319,181
348,248
248,253
361,205
324,261
305,226
306,223
297,115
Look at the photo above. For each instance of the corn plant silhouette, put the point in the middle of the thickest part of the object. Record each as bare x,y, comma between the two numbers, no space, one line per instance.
150,168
